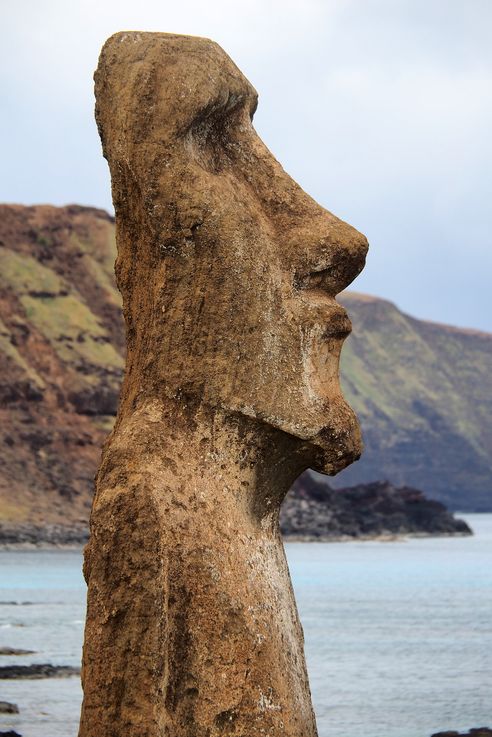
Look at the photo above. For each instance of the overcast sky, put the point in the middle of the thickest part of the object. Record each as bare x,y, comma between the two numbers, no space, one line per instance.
380,109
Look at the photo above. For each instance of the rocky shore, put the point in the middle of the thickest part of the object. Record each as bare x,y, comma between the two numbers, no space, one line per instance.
7,708
27,535
477,732
315,511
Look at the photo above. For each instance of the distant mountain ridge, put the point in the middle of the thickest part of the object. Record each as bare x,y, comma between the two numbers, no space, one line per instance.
423,391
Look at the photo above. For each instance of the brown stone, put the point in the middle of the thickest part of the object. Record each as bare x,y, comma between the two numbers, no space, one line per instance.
228,272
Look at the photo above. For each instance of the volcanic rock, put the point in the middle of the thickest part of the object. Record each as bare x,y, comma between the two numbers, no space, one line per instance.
63,535
36,671
314,511
228,273
476,732
7,708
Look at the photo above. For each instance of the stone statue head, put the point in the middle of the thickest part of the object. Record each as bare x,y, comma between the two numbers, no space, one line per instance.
228,269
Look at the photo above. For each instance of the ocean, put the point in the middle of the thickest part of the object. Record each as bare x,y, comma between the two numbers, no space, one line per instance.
398,634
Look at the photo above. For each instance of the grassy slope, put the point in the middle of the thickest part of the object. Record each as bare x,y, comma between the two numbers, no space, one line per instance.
61,345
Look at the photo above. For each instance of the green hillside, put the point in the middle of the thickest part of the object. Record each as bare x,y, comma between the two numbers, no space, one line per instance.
423,393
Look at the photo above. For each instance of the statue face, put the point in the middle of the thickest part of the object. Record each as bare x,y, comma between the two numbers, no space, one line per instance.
239,270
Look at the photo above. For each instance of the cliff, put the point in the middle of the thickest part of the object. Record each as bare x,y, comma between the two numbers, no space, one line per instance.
422,391
61,343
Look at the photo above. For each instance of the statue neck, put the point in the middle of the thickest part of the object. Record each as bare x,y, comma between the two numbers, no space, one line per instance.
200,447
186,568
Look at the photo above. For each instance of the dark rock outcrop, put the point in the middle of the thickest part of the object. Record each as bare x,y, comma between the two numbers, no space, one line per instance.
15,651
477,732
313,510
37,670
69,535
7,708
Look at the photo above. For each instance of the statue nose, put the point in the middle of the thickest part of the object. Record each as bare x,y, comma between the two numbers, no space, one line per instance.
332,255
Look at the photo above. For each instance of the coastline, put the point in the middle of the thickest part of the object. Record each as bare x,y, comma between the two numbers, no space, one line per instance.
45,545
383,538
311,513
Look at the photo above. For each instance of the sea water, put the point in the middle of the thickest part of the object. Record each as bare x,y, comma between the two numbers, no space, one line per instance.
398,634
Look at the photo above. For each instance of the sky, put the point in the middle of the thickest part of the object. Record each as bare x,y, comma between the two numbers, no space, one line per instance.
380,109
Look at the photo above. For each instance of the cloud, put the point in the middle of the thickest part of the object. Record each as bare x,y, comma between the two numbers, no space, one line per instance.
380,109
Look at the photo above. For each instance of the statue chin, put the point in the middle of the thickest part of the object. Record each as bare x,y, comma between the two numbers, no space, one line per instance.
339,443
329,439
328,463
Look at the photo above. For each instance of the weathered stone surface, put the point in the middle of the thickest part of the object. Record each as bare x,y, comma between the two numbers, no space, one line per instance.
228,273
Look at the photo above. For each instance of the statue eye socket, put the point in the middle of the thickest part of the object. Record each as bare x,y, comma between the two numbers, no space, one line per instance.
212,133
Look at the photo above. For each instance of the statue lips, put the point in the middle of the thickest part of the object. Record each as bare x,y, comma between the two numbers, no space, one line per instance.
333,317
339,325
317,288
338,328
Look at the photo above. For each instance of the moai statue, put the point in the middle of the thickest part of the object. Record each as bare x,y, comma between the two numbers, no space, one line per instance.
228,273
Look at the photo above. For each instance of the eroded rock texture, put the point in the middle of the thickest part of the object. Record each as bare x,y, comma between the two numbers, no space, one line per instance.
228,273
